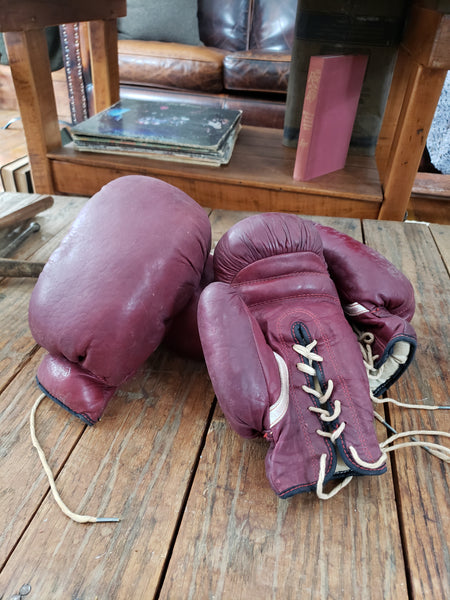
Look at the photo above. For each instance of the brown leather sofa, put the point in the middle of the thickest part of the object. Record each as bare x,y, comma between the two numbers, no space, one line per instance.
241,59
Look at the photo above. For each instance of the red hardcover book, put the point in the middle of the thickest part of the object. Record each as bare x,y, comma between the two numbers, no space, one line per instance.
332,94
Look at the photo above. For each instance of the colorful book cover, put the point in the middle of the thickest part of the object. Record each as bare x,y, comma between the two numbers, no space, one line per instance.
332,95
221,157
160,125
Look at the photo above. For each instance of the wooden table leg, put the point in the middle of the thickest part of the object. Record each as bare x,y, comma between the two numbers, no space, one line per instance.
419,104
422,65
30,68
104,62
393,108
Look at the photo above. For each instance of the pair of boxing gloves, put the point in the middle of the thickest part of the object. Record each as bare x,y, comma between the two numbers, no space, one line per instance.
276,309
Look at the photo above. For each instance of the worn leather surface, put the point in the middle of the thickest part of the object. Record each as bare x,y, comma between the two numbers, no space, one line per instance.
382,297
272,291
257,71
225,24
172,66
272,25
131,262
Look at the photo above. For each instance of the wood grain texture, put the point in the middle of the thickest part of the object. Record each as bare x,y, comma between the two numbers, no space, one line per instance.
427,36
260,160
222,220
23,483
24,206
237,540
136,464
33,14
420,101
104,63
441,235
215,193
422,480
16,342
258,178
30,68
430,199
399,84
19,268
54,223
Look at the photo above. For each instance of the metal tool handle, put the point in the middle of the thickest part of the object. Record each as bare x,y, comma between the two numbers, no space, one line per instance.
12,247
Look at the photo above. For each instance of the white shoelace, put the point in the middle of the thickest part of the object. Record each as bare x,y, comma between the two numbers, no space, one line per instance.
441,452
74,516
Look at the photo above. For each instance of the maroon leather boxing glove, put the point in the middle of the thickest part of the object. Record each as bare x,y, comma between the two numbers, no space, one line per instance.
283,360
379,303
131,262
182,336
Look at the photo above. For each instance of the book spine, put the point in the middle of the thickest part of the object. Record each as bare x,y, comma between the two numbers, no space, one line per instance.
307,118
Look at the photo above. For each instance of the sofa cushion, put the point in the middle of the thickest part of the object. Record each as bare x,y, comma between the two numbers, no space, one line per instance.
160,20
273,25
224,24
257,71
170,66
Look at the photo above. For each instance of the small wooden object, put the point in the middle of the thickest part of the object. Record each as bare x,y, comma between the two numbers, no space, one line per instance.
26,207
19,268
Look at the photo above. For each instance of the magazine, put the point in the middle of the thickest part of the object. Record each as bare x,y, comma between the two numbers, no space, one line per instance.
154,127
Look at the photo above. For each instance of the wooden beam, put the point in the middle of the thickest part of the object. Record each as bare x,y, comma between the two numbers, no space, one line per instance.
30,68
427,37
22,15
104,63
421,97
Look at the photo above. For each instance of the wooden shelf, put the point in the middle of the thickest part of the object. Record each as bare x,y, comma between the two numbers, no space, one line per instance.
258,177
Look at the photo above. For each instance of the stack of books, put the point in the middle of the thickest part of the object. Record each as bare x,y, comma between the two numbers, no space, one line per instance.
164,131
16,176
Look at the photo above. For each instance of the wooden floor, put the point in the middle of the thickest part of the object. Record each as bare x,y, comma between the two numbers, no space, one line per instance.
198,518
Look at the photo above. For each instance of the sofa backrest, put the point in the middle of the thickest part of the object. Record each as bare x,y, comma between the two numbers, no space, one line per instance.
237,25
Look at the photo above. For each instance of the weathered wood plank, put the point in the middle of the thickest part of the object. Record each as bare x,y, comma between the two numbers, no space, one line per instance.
422,479
104,63
31,15
135,464
237,540
22,206
258,178
222,220
16,342
52,221
441,235
349,226
30,68
23,483
419,103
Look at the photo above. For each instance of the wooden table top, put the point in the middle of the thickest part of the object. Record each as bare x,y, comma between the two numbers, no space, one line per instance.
198,518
